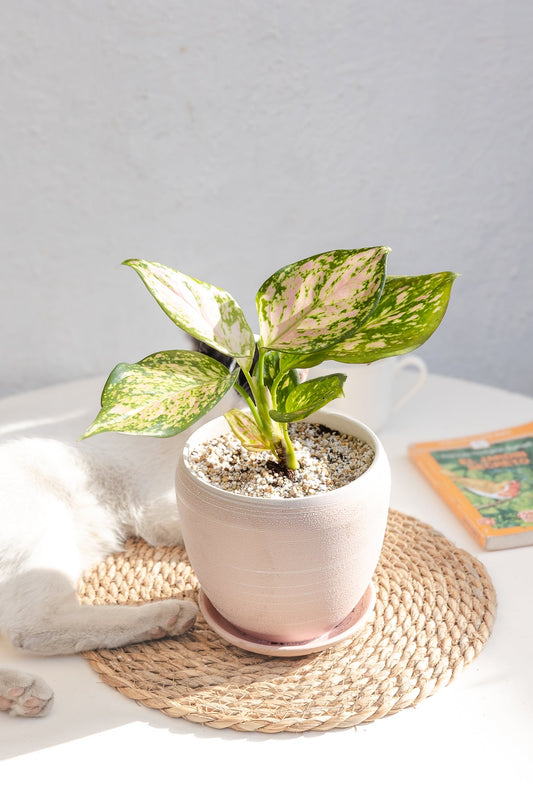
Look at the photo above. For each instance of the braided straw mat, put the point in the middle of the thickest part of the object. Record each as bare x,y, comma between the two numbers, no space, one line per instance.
434,612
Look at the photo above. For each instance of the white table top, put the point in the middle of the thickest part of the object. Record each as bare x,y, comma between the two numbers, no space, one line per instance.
472,738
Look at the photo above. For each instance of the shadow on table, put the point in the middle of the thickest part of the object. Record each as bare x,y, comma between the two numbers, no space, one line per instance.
85,707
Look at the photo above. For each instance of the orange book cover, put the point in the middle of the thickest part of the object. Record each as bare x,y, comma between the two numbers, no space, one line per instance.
487,479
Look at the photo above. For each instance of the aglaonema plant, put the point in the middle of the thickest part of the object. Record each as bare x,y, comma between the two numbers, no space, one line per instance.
337,306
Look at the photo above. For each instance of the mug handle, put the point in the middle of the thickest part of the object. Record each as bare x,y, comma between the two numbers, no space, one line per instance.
420,366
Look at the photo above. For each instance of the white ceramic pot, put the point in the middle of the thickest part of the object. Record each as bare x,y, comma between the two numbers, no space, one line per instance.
285,570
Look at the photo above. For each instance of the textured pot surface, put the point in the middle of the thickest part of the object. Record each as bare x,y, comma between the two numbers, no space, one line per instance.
285,570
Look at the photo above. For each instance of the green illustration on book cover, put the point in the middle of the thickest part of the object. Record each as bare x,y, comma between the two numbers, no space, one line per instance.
496,478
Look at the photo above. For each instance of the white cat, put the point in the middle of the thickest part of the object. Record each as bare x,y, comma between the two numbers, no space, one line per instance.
64,507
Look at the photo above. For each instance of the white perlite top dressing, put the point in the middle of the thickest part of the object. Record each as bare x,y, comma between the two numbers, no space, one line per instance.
328,460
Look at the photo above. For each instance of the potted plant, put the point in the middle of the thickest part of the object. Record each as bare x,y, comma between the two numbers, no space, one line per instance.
291,573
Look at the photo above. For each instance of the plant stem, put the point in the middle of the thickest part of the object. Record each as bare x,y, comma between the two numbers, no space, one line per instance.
261,408
260,368
256,394
288,450
250,381
291,462
264,399
250,403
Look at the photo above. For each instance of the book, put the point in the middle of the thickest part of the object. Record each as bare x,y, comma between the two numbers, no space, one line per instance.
487,480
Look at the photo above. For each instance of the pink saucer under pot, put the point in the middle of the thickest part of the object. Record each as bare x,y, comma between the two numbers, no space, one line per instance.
351,624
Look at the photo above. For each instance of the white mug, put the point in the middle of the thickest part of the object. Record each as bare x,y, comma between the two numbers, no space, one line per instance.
369,388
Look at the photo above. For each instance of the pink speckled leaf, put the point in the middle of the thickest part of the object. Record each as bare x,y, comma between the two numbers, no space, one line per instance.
318,301
246,430
204,311
409,311
161,395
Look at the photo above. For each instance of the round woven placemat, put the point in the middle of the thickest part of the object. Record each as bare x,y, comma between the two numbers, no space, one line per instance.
434,612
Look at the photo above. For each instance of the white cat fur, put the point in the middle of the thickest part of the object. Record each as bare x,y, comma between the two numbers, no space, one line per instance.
64,507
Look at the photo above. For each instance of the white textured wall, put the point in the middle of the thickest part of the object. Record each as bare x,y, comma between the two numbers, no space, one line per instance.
231,138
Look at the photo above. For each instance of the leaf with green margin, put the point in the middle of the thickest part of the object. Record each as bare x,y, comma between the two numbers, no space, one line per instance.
272,368
204,311
318,301
245,429
289,382
408,313
310,396
161,395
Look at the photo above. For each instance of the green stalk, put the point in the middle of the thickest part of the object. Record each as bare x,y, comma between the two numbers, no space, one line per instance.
250,403
250,381
261,407
291,462
263,399
288,450
256,394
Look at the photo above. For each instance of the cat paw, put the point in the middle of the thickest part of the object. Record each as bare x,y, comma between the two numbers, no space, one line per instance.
175,623
24,695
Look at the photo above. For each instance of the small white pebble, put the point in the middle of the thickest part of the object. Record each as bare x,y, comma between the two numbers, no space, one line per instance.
328,460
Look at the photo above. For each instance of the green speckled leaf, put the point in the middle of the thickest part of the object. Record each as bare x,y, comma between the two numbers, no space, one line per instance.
409,311
202,310
272,368
245,429
161,395
314,303
310,396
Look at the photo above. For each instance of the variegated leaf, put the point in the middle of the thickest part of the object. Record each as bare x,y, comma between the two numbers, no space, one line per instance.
289,382
409,311
272,368
245,429
161,395
314,303
308,397
202,310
